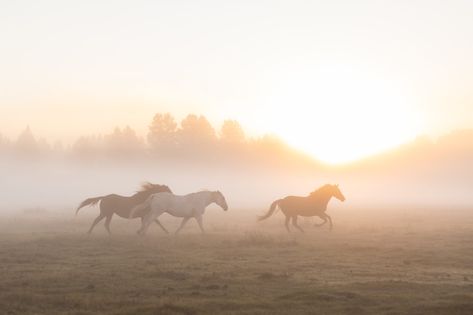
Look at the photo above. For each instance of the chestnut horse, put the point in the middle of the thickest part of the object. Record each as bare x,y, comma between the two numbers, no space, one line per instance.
313,205
122,206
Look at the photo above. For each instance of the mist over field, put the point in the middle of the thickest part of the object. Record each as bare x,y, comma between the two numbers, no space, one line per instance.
252,172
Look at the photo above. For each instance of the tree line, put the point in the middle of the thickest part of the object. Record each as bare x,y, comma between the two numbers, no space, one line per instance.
192,137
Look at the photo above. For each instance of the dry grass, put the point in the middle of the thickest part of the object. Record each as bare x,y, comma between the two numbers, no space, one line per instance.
48,266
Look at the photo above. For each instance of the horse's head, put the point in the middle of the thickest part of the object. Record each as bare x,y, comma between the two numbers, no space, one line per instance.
337,193
219,199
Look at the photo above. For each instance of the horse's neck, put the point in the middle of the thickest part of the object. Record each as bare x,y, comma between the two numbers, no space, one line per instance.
326,199
139,197
206,197
323,199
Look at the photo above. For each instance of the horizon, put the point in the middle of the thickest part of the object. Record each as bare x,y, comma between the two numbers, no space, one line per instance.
217,128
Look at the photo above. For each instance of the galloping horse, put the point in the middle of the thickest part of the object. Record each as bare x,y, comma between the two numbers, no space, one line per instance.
122,206
187,206
313,205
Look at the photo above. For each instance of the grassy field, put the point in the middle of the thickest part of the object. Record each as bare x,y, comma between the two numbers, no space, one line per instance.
398,264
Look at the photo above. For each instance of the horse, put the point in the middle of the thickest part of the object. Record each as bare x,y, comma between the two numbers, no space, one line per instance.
187,206
122,206
315,204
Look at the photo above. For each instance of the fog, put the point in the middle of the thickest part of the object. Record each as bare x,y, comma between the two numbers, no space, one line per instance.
250,173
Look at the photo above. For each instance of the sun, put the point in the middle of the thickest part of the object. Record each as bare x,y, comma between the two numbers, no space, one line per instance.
339,115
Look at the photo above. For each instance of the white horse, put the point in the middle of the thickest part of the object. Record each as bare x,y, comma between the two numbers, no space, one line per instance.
187,206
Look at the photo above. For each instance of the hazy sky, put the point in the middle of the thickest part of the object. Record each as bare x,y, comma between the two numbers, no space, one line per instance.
347,70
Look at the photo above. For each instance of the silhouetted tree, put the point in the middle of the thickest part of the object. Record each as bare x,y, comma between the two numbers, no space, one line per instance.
43,145
5,145
123,142
58,146
88,146
26,143
269,147
232,132
162,133
196,131
3,142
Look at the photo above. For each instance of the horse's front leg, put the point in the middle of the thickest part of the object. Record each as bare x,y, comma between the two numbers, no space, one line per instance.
146,222
286,223
320,224
294,222
330,221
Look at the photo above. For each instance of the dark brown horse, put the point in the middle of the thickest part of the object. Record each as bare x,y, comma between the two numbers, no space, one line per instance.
313,205
122,206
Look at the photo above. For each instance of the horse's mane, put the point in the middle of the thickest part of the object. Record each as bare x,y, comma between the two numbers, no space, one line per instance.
320,190
148,187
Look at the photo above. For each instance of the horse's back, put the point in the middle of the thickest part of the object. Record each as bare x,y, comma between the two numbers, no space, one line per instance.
118,204
177,205
299,205
113,199
163,199
163,196
293,201
170,197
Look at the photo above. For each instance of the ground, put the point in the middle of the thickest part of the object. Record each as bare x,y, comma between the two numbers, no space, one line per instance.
372,264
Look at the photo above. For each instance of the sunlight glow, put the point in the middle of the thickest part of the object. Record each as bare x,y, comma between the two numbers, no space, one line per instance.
340,114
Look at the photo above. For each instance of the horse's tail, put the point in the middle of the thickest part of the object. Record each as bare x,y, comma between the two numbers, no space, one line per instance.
271,210
89,202
141,207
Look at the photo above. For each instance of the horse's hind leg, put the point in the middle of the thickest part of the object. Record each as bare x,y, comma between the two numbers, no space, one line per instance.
287,223
294,222
107,224
97,220
159,223
184,221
